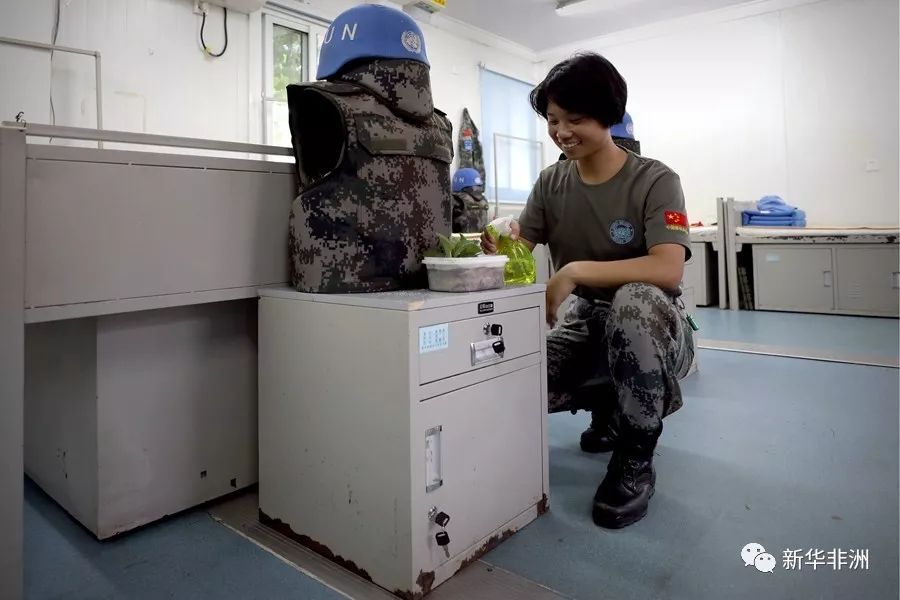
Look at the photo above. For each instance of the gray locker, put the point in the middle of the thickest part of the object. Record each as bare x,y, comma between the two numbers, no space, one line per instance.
867,279
377,411
793,278
698,275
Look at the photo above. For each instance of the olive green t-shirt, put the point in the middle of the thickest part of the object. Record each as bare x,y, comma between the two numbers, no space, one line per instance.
639,207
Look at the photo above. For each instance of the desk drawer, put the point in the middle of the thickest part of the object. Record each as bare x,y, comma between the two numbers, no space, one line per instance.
446,349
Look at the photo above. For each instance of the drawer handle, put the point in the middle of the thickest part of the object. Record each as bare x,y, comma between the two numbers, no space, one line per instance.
487,350
433,479
829,278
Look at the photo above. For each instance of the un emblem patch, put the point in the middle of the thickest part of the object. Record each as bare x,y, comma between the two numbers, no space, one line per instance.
411,41
621,231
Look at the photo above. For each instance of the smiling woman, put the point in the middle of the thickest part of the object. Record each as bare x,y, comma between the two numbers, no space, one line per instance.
615,225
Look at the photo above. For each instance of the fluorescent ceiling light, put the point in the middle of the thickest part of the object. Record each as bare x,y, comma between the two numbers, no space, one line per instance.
566,8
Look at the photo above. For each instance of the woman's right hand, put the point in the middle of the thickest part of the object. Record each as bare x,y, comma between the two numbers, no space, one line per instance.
489,244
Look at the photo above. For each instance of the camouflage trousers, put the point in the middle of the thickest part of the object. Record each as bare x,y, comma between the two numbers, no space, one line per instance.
640,343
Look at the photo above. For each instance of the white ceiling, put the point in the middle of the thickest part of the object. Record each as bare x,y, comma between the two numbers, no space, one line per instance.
536,25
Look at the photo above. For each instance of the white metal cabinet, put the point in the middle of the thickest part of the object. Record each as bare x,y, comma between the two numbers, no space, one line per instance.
793,278
371,412
858,279
698,275
867,279
135,416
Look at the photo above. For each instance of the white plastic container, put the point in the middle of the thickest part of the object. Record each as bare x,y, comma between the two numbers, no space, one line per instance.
465,274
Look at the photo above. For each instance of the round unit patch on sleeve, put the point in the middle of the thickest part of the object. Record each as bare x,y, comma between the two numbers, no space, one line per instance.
621,231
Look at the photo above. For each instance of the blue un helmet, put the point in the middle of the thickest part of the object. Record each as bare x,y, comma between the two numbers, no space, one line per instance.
467,177
370,31
625,129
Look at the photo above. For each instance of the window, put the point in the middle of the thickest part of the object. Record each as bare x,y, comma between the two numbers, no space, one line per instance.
288,57
512,153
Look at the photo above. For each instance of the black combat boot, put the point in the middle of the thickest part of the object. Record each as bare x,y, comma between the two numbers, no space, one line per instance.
601,401
625,492
601,435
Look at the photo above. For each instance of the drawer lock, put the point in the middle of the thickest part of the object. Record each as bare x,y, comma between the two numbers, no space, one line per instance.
493,329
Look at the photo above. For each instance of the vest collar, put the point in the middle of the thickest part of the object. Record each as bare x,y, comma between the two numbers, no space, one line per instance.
404,86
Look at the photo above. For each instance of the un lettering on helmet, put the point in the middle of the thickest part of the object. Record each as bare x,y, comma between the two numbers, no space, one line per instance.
370,31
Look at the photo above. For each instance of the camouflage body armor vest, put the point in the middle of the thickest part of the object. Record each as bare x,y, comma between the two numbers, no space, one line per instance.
628,144
373,159
470,211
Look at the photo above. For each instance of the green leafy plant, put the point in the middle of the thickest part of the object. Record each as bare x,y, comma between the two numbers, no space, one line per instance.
454,247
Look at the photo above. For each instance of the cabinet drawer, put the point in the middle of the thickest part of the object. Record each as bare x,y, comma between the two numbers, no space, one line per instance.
867,279
446,349
797,278
488,456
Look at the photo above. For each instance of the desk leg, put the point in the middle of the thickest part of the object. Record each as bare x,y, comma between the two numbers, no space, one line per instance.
721,253
731,258
12,357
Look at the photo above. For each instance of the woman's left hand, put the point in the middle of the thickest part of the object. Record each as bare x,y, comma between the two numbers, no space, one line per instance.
558,289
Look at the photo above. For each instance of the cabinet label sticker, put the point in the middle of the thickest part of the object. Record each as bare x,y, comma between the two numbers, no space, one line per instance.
433,338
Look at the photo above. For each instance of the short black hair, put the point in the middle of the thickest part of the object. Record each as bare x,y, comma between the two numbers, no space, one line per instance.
586,84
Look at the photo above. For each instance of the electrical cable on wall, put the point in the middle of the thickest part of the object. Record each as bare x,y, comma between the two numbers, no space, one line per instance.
53,35
225,26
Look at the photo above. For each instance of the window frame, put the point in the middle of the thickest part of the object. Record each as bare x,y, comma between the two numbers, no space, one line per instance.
501,195
270,20
314,34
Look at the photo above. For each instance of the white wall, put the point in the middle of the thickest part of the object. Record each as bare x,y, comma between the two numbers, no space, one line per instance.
157,80
455,76
790,97
782,97
841,104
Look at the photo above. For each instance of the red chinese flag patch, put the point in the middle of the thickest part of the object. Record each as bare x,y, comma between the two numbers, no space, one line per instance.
676,220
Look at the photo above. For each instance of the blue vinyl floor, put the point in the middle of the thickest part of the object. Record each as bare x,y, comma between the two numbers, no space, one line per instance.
788,453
